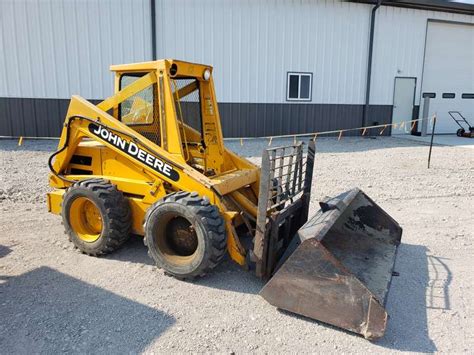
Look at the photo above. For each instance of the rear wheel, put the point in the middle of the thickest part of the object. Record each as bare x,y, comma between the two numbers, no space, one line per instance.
185,235
96,216
460,132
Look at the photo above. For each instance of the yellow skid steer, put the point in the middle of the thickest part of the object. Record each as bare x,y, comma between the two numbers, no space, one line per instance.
150,160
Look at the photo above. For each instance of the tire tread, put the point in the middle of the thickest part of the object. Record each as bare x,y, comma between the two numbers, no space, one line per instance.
213,223
117,210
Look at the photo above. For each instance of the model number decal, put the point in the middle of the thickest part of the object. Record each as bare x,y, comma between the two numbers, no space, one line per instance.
134,151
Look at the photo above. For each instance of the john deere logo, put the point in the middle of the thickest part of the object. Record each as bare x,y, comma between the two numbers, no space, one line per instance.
133,150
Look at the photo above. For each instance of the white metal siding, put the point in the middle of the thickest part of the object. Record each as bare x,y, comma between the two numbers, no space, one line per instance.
328,38
399,46
449,68
54,48
252,44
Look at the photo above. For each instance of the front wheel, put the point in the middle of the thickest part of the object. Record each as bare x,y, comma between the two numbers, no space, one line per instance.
185,235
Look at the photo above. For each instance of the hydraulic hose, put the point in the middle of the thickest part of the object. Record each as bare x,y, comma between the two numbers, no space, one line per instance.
51,157
97,122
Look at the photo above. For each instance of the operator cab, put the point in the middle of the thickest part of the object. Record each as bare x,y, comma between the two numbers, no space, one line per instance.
145,111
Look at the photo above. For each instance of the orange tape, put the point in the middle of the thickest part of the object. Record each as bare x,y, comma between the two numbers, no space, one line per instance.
399,125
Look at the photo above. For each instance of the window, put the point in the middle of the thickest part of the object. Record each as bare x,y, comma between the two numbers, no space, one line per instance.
137,109
467,96
448,95
187,101
299,86
431,95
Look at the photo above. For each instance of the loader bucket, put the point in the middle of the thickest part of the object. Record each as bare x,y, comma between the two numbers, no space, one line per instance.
338,266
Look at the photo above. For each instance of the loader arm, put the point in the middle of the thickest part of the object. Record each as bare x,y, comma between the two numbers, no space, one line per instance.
123,140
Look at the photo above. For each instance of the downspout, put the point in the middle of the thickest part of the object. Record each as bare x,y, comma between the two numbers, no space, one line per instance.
365,117
153,29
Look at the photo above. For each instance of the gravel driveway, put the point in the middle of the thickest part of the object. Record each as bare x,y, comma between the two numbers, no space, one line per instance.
53,298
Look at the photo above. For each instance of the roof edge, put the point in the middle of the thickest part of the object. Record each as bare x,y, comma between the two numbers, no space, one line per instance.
433,5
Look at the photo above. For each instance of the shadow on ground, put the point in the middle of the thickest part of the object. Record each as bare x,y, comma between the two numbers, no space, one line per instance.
423,284
409,299
46,311
133,251
227,276
4,251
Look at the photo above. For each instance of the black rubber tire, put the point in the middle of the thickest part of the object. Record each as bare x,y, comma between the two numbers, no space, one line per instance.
114,209
460,132
207,223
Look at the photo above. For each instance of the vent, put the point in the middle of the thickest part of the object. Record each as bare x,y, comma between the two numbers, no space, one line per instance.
448,95
81,160
80,172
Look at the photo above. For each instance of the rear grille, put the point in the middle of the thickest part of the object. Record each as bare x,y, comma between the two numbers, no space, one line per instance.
81,160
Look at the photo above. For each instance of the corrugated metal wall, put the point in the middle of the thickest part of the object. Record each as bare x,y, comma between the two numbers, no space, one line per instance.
327,38
52,49
399,48
56,48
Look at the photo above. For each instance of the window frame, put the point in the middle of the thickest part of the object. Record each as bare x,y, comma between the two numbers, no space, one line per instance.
198,89
299,75
152,86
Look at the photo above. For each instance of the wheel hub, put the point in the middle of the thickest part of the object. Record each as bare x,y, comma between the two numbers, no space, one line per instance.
86,219
181,236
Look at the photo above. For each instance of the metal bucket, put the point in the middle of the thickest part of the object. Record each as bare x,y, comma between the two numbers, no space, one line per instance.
338,266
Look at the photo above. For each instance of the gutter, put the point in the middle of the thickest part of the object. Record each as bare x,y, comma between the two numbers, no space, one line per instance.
365,117
153,29
455,7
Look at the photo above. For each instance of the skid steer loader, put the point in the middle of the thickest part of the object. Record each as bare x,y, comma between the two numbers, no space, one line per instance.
150,160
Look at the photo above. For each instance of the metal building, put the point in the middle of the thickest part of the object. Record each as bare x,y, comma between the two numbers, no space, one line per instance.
280,66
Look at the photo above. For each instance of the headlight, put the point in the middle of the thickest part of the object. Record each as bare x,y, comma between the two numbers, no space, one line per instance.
206,75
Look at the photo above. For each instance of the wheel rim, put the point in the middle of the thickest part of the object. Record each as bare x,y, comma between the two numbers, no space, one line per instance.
86,219
177,241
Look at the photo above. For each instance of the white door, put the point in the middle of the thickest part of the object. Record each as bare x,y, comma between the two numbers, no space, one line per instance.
448,74
403,98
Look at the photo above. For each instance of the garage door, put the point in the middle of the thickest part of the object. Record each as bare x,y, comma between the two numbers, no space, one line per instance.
448,73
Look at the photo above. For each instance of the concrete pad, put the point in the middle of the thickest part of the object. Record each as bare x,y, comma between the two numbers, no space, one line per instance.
448,139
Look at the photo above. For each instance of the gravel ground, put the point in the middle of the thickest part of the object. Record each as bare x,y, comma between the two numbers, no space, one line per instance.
52,298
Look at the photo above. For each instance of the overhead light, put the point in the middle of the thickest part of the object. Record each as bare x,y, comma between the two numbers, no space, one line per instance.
207,74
